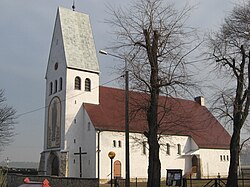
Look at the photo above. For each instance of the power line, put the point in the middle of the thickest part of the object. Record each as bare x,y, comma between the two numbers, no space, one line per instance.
41,108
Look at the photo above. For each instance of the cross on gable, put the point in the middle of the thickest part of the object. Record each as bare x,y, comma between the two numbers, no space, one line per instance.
80,153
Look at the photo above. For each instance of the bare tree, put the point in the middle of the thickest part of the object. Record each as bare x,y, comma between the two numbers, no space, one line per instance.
155,40
7,121
227,47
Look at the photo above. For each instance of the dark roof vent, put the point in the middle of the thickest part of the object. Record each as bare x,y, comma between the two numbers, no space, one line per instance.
200,100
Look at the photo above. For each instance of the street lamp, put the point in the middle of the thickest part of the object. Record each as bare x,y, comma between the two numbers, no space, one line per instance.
127,171
111,156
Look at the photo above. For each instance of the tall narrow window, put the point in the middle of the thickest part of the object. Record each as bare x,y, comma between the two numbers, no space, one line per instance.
50,88
88,126
87,85
119,143
179,149
60,84
56,66
55,89
168,149
144,148
77,83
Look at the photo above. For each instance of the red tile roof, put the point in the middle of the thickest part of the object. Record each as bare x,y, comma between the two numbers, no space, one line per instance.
175,116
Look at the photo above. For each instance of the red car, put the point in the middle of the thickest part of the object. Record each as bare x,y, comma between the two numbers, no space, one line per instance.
29,183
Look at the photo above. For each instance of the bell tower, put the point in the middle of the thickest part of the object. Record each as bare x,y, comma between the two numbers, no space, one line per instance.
72,78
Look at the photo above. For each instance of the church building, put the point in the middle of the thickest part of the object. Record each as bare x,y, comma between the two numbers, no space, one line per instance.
85,121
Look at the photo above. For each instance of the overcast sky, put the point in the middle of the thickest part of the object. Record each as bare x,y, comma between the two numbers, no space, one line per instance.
26,28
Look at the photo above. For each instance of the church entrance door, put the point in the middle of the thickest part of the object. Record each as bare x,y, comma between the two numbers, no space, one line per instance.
117,169
196,166
55,166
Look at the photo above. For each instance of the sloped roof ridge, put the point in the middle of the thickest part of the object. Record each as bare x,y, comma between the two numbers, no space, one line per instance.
143,93
185,117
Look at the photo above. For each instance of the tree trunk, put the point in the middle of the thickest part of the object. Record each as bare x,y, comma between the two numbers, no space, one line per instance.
154,168
232,180
240,114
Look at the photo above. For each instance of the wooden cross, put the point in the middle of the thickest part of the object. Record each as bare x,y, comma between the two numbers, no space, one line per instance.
80,156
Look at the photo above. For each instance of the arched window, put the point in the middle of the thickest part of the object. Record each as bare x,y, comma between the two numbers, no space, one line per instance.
55,90
178,149
87,85
50,88
168,149
77,83
60,84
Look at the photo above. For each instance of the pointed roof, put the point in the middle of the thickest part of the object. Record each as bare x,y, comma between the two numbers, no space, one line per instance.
77,39
176,117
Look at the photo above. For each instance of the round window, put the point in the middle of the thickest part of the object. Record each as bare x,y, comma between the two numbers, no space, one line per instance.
56,66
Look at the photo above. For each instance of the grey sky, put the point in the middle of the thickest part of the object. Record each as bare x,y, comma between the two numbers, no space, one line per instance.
26,28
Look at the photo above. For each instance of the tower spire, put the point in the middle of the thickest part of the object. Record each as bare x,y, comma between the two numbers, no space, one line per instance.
73,6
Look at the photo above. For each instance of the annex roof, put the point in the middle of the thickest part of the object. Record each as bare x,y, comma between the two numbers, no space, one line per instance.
175,116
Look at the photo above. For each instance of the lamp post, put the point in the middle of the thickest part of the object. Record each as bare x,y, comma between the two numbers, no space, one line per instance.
111,156
127,170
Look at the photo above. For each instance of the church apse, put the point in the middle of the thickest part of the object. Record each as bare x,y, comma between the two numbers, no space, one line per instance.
54,124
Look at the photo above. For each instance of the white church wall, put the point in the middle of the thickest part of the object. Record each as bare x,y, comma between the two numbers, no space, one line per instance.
139,156
175,159
73,141
214,161
81,134
107,139
89,144
211,163
75,133
75,98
